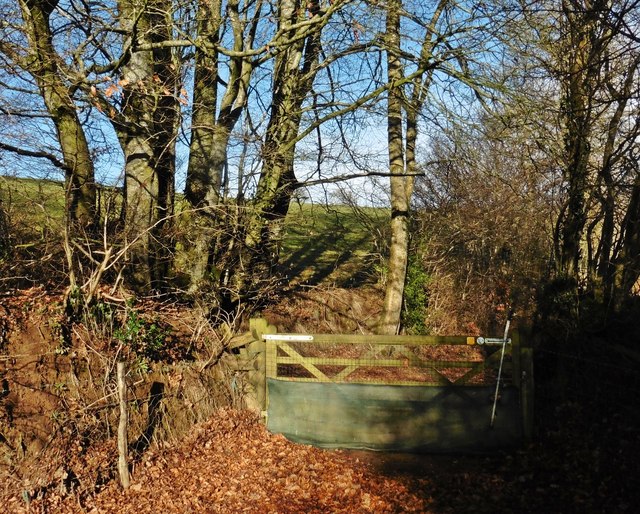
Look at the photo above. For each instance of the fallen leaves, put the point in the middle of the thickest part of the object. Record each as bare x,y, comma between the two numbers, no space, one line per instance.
232,464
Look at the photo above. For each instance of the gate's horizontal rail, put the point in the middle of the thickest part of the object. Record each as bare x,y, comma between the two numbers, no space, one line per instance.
376,339
382,363
440,381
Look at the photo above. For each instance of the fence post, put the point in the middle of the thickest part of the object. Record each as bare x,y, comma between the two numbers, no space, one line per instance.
516,362
123,443
527,392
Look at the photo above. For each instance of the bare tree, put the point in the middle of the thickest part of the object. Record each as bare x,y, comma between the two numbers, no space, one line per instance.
598,69
446,49
212,124
236,243
294,70
147,128
42,62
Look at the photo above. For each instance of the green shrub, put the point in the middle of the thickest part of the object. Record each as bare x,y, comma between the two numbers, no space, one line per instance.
415,298
147,339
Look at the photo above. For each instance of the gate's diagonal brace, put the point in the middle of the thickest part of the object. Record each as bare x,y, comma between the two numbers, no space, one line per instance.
299,359
473,372
373,352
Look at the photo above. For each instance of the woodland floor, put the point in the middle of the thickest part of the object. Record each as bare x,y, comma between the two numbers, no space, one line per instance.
232,464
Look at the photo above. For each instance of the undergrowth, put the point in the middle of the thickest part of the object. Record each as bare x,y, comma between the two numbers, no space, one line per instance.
60,407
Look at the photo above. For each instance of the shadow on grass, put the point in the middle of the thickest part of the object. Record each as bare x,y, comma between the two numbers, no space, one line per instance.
331,244
323,257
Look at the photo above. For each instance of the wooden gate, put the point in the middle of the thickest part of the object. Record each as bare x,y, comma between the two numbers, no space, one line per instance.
394,392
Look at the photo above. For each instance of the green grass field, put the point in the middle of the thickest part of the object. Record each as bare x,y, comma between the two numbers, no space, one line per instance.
335,244
32,205
338,245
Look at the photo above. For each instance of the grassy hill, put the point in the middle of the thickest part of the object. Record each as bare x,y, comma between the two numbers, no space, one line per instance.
323,244
341,245
32,205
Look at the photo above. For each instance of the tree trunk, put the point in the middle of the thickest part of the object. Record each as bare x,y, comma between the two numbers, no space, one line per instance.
612,156
578,83
628,261
80,193
207,148
401,185
402,154
148,141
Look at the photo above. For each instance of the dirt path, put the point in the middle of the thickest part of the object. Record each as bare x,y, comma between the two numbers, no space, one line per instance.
232,464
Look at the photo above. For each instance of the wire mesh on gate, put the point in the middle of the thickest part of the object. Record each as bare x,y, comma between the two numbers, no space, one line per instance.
313,360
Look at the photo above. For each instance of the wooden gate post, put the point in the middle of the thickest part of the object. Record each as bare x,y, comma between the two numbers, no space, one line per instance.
522,362
257,351
516,358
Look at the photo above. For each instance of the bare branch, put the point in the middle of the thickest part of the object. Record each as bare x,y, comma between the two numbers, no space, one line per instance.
35,153
352,176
